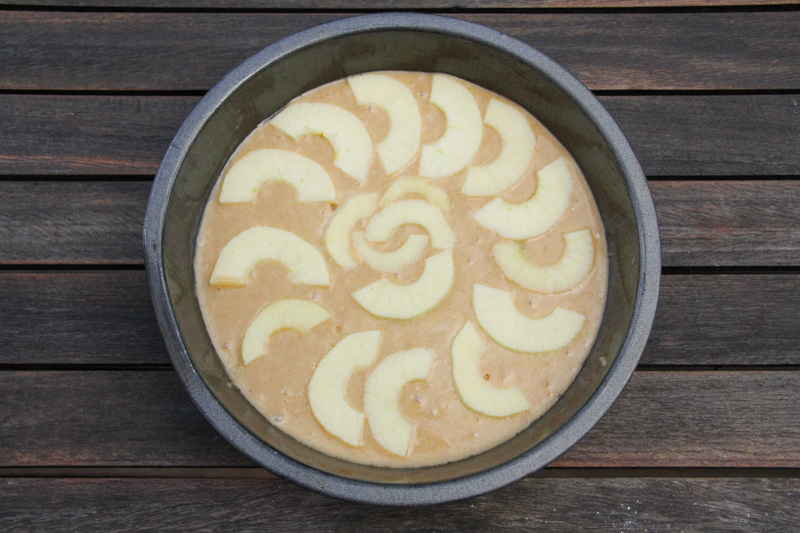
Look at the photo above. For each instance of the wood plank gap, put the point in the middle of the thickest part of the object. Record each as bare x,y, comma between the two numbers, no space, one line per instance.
147,177
597,92
26,268
256,472
411,8
148,367
766,177
9,367
138,92
617,472
704,368
77,178
692,92
65,268
745,270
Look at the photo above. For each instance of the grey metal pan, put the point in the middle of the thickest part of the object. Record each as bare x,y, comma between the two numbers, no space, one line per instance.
260,87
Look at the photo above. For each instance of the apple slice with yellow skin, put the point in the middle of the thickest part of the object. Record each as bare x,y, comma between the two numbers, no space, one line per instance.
416,185
263,243
326,391
536,215
462,135
418,212
382,398
472,388
516,151
299,315
352,145
499,317
384,299
258,167
575,264
402,142
393,261
335,238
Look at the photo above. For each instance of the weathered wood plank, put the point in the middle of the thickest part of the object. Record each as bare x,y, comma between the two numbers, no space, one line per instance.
701,320
390,4
72,222
87,134
614,504
662,419
703,223
711,135
78,318
192,51
671,135
718,223
726,320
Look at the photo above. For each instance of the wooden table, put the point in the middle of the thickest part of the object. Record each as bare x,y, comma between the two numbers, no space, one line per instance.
96,431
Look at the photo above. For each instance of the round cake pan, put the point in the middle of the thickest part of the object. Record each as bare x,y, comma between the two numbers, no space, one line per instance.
264,84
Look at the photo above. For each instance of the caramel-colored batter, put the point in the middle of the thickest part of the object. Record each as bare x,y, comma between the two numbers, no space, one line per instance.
446,430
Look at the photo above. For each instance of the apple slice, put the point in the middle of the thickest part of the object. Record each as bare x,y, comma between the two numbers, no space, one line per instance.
263,243
462,136
416,185
418,212
352,145
402,302
326,391
575,263
516,152
497,315
536,215
472,388
335,238
401,144
245,177
382,397
298,315
393,261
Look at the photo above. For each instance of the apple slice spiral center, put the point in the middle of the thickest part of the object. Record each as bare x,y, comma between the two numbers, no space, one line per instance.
352,210
393,261
419,212
416,185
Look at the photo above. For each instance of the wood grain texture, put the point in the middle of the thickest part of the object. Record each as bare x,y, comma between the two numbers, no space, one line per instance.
726,320
192,51
88,134
391,4
703,223
72,222
568,505
714,223
93,318
106,318
662,419
671,135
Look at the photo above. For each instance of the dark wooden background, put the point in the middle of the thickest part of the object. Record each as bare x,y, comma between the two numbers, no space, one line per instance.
96,432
